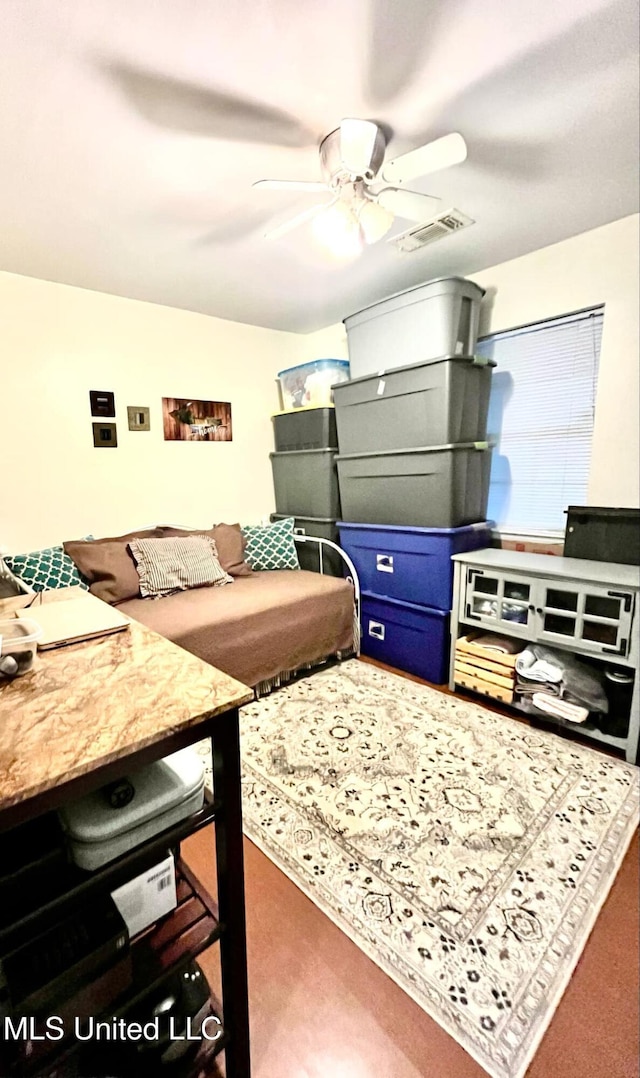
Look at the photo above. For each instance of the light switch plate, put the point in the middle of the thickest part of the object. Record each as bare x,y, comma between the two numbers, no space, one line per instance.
105,435
138,417
103,402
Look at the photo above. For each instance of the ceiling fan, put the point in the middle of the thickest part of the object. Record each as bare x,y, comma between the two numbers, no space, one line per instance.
366,192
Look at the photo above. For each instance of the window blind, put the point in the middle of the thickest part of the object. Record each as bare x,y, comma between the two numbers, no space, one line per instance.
541,413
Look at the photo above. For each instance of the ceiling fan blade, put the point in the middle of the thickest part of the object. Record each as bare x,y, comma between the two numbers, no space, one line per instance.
442,153
357,144
299,219
291,185
408,204
204,110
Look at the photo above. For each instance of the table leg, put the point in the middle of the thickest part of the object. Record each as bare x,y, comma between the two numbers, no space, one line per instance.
225,750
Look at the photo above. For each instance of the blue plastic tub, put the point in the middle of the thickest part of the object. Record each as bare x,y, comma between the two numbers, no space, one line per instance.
411,638
410,564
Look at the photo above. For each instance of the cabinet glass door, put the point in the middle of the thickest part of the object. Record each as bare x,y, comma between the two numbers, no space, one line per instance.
595,619
499,601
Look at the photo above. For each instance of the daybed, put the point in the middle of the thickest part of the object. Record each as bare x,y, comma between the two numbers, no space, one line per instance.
259,629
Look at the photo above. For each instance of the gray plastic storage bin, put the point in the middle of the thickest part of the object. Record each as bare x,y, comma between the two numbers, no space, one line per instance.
309,553
306,483
443,486
433,403
438,318
308,428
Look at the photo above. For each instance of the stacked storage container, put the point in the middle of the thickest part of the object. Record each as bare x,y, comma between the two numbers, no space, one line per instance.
406,581
413,466
304,473
412,443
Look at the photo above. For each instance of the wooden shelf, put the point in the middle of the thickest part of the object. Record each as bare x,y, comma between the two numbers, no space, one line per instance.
543,719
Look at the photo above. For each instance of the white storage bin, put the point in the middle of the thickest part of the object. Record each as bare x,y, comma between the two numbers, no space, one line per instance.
18,642
165,792
309,384
439,318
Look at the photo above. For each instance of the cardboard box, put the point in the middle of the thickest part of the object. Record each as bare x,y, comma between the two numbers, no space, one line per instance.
150,896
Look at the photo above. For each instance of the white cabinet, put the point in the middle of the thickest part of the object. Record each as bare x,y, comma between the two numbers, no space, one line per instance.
591,618
587,608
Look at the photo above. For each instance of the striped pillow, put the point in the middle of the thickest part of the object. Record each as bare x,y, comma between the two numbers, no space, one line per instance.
169,565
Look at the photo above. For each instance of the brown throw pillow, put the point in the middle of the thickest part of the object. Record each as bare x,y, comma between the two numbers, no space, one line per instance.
108,564
228,539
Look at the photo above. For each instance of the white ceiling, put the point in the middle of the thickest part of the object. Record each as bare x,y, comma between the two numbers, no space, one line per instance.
131,132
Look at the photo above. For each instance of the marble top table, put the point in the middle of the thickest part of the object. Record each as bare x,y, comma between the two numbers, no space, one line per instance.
85,708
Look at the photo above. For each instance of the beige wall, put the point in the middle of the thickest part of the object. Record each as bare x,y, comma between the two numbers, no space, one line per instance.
57,343
600,266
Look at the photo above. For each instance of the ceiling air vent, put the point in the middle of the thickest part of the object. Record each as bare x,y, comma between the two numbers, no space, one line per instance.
422,235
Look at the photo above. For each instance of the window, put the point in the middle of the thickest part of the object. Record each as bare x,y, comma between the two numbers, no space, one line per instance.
541,420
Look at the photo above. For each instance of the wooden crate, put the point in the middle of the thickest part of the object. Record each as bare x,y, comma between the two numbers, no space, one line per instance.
467,644
505,677
486,688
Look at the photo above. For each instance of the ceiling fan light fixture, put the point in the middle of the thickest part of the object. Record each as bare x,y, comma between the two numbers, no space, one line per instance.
357,144
374,220
338,230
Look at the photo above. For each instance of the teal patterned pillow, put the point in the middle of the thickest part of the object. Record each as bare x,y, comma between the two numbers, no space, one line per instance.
44,570
271,546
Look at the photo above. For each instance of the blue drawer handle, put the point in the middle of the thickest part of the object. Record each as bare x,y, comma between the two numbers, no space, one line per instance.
384,563
376,629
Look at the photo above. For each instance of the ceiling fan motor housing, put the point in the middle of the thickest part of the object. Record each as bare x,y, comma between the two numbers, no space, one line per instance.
333,170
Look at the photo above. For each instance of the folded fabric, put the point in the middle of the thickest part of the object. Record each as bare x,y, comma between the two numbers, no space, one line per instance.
528,688
169,565
559,708
579,684
492,642
535,668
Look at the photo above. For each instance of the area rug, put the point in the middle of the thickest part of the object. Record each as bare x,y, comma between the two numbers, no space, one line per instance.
467,854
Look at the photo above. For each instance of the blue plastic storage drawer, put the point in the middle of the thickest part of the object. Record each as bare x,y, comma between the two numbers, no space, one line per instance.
411,564
411,638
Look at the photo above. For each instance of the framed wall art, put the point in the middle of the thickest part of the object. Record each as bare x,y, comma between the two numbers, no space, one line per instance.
196,421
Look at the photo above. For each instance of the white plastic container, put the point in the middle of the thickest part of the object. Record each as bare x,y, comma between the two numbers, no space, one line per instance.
309,384
18,642
165,792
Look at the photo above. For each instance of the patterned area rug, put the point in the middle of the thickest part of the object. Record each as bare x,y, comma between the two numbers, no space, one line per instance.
467,854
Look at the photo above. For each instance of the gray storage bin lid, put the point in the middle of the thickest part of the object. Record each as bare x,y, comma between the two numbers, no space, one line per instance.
474,361
417,294
311,520
301,452
158,787
417,449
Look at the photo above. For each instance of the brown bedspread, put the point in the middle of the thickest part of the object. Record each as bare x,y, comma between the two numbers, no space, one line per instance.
258,626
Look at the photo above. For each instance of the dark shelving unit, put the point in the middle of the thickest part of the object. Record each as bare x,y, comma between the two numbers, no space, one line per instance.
198,921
